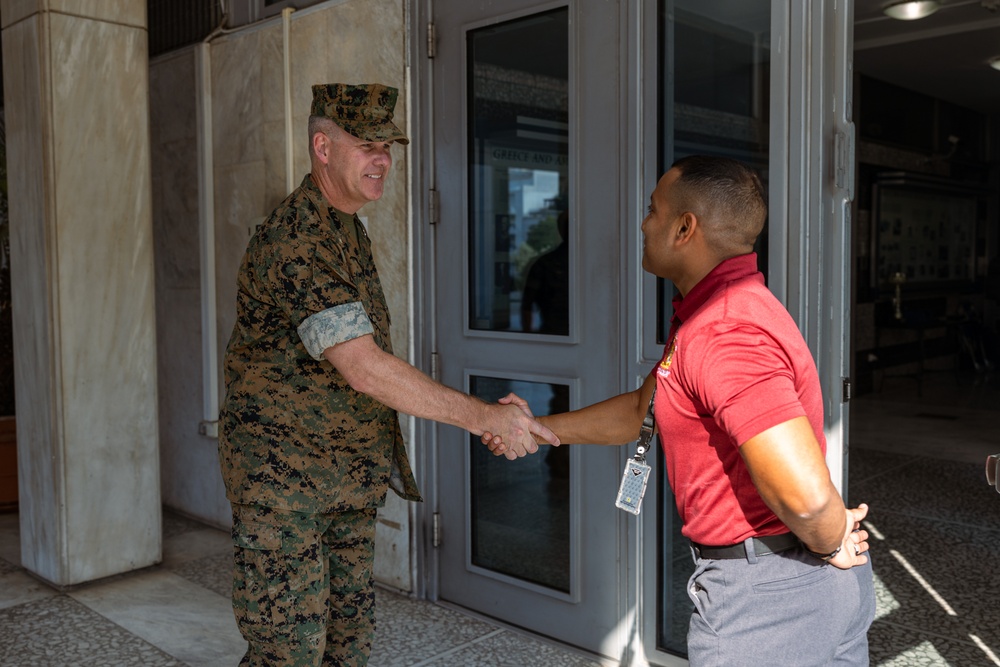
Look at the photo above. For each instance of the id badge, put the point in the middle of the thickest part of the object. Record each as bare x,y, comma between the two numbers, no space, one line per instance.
633,486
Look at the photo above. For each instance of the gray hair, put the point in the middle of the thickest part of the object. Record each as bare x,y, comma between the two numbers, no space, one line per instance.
319,124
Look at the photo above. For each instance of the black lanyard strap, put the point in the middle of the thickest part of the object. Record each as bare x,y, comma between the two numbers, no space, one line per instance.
646,431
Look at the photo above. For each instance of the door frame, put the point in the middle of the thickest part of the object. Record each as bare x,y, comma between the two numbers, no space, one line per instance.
601,149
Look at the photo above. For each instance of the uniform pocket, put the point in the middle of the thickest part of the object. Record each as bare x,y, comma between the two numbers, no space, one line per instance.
698,591
812,575
256,536
256,547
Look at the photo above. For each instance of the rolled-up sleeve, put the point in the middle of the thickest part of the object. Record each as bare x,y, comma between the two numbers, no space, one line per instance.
334,325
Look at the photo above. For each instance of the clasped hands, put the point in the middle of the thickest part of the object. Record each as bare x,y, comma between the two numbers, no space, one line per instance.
514,431
855,542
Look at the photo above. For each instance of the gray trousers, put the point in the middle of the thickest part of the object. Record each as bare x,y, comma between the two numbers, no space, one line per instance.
785,609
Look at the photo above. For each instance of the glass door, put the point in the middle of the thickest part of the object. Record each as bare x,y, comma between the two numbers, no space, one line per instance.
527,289
767,82
714,79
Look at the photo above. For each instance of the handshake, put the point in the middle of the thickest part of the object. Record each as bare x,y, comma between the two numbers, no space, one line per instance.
512,430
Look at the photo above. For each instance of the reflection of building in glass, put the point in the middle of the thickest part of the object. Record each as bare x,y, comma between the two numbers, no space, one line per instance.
519,150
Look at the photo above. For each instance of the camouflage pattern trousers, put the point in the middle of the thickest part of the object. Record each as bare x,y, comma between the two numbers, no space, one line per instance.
303,590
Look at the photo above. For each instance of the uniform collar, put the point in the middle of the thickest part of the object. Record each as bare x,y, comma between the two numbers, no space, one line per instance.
725,272
327,210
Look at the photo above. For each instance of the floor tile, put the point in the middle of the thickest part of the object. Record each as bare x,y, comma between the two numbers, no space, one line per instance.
212,572
6,567
18,587
509,649
936,574
59,631
409,631
176,524
181,618
195,545
932,489
895,646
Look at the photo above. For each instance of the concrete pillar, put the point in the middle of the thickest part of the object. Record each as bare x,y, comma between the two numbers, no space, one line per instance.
76,104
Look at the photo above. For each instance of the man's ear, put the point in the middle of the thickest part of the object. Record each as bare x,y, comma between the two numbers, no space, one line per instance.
687,224
321,147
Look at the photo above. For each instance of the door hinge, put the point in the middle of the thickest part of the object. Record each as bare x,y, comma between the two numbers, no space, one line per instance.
436,530
846,390
435,366
433,206
431,41
844,161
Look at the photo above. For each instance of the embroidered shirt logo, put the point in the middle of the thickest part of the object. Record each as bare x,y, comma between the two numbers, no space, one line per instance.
664,368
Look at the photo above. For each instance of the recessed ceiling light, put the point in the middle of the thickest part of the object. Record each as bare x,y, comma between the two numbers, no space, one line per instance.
995,62
909,11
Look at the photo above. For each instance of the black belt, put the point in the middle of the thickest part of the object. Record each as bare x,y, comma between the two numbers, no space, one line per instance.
762,546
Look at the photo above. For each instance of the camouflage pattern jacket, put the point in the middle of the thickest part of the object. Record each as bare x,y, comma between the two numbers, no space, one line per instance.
294,434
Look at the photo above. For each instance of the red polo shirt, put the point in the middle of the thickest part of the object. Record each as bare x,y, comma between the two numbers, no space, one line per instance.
739,367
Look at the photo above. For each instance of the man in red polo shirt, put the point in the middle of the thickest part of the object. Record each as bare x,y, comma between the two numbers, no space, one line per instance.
781,575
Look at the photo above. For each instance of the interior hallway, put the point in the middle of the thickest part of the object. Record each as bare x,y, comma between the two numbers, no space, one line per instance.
916,460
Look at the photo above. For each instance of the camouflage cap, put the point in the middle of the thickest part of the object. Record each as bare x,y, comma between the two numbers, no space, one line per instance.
363,110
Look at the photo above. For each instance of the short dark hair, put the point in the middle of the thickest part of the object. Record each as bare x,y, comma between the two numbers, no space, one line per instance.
728,197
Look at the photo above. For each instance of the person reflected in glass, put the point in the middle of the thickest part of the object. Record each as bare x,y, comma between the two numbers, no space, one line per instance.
547,287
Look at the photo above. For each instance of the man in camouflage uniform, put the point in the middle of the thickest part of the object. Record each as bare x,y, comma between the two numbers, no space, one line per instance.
310,438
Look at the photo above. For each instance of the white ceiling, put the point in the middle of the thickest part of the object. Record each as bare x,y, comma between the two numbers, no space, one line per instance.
944,55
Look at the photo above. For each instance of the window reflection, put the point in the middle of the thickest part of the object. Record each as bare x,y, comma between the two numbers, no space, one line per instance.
520,508
518,175
715,99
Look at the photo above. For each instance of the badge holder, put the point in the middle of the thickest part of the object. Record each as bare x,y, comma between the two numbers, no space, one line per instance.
636,474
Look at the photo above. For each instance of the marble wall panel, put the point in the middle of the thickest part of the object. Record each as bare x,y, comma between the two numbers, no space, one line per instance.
274,144
175,213
189,475
236,99
315,56
35,365
369,44
127,12
272,72
189,461
173,112
105,292
239,201
13,11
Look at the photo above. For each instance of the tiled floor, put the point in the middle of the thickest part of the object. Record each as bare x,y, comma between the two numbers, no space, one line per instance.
178,614
916,460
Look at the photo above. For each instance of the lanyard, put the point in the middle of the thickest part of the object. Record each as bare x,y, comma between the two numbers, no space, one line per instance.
646,431
649,421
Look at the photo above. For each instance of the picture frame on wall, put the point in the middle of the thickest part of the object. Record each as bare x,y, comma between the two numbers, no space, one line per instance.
926,230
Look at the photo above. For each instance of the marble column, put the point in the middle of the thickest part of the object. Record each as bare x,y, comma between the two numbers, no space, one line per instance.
77,113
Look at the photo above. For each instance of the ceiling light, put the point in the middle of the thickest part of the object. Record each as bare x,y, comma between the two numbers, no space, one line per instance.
909,11
995,62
